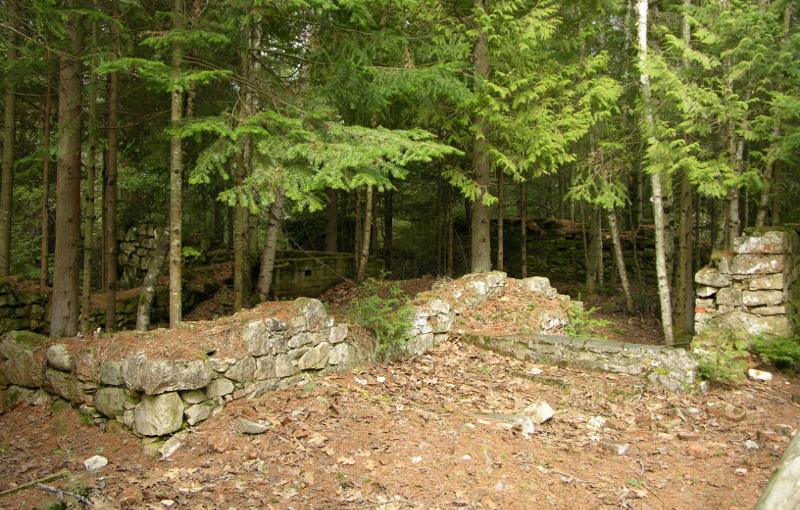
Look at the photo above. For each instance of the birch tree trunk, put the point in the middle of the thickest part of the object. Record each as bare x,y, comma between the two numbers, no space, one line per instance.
655,179
620,259
363,258
176,186
271,244
44,252
66,277
9,135
148,289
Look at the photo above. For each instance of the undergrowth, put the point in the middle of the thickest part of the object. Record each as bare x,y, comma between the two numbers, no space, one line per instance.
582,321
781,352
389,318
722,356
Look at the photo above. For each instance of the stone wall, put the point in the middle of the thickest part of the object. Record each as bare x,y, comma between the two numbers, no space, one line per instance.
135,250
156,395
753,288
672,368
22,307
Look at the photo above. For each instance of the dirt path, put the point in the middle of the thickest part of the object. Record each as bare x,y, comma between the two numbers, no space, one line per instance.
415,435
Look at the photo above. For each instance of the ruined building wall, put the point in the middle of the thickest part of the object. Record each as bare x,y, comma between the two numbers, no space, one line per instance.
754,288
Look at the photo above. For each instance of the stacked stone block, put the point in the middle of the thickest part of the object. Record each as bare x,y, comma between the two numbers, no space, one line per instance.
753,288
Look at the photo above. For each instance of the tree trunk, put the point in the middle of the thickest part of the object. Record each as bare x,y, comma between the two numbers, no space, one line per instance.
500,218
481,248
623,273
365,241
240,259
88,211
523,231
176,186
388,231
655,178
44,254
684,275
110,189
271,244
148,289
449,208
9,135
331,221
594,253
763,198
357,230
66,277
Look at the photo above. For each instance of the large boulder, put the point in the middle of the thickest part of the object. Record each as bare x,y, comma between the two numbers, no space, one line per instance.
59,357
161,376
739,320
263,337
62,384
113,402
762,297
539,285
749,264
158,415
772,242
22,361
712,277
315,358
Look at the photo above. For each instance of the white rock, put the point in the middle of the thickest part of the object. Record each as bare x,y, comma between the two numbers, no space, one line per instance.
167,503
539,412
169,447
759,375
750,444
416,460
95,463
252,427
596,422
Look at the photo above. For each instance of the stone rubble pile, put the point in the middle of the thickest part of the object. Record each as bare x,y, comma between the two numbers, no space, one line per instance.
752,289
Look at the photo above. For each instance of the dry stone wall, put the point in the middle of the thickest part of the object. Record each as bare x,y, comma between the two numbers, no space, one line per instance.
753,288
156,397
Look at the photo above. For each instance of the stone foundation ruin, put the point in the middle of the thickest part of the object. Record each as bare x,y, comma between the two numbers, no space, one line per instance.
159,382
752,289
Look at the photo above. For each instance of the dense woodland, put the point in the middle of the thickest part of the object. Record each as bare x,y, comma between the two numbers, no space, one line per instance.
394,130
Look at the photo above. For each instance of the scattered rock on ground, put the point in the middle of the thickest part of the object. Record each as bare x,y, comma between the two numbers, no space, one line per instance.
95,463
539,412
759,375
246,426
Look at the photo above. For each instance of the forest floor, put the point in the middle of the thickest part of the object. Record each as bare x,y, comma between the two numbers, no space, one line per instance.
420,434
432,432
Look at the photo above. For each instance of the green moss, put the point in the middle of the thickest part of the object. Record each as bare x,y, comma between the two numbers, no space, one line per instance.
27,338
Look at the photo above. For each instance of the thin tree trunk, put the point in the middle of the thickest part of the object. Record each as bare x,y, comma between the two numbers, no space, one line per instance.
763,198
620,259
449,208
658,198
388,231
684,274
176,186
110,189
364,257
357,230
500,218
148,289
271,244
66,277
594,253
88,211
331,221
481,248
9,135
44,254
523,231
